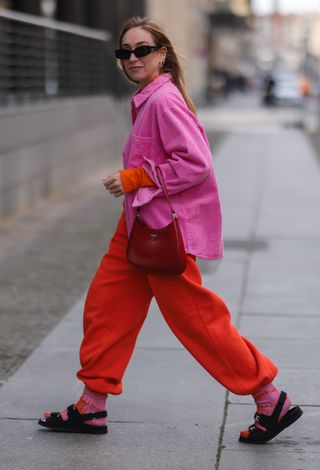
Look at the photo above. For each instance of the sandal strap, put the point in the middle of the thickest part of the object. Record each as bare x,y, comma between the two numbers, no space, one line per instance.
267,421
264,420
75,415
278,408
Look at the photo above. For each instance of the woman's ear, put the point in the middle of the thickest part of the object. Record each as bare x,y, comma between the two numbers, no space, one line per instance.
164,51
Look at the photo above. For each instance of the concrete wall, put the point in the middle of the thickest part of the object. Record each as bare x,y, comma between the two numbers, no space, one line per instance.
48,146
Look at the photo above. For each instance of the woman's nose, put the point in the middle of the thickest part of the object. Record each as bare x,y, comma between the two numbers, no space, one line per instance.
132,58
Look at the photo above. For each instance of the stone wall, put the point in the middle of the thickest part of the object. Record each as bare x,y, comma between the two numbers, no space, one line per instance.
47,146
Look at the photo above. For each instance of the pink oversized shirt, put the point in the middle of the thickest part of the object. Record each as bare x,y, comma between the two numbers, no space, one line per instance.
166,133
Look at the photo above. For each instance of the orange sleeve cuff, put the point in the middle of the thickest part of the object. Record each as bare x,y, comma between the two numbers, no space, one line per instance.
134,178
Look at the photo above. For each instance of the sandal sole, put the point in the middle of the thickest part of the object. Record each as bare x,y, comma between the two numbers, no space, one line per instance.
80,429
289,418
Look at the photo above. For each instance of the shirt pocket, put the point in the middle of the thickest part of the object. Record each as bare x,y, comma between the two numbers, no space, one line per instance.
140,147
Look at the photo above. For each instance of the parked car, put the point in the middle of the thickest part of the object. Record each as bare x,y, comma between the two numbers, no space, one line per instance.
287,91
283,89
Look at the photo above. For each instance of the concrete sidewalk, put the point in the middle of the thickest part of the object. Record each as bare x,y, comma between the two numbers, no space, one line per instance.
172,414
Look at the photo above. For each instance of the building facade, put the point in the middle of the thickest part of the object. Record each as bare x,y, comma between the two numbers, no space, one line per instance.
187,25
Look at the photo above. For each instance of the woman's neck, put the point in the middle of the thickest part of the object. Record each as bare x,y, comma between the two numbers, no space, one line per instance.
154,76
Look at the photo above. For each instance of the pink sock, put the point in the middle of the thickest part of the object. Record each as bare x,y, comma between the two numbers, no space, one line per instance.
89,402
266,399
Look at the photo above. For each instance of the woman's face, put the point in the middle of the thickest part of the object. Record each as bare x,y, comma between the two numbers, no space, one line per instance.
141,69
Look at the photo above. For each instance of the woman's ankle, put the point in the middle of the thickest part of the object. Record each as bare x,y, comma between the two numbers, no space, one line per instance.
89,402
266,398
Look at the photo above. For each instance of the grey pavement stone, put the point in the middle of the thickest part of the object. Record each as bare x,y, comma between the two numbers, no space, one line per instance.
291,353
289,268
284,305
67,334
285,210
239,181
226,282
297,447
156,333
249,118
298,327
306,226
75,314
269,460
233,252
134,446
237,223
45,381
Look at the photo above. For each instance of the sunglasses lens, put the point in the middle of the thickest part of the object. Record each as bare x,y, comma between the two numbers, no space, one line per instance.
122,54
141,51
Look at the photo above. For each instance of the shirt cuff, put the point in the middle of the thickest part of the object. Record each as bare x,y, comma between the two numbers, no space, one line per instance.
134,178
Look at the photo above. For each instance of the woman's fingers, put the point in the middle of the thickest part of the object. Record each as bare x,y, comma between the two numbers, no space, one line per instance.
113,184
115,188
116,192
108,181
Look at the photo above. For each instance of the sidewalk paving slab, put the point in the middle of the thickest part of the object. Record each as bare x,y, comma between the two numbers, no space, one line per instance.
289,306
290,353
129,446
297,448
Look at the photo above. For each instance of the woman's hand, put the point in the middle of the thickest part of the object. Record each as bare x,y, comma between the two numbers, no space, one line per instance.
113,184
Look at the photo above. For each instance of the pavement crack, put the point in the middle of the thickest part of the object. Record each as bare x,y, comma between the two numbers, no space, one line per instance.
8,418
222,429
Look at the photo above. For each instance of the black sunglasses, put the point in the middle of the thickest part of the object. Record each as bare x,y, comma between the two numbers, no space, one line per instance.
140,51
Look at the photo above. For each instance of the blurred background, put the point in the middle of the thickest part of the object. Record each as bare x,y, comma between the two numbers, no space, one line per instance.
63,102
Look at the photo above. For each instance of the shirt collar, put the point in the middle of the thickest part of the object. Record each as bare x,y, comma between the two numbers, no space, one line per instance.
141,96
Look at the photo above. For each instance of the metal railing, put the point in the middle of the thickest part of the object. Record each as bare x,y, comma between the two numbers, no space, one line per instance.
43,59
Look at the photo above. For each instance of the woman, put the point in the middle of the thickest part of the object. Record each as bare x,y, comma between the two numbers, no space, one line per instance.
165,132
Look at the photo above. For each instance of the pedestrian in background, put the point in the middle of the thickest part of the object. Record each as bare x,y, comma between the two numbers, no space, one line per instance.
268,90
165,133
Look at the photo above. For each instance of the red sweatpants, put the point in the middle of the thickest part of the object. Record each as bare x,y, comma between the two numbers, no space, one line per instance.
117,304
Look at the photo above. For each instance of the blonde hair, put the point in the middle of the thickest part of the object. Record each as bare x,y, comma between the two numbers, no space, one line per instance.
172,63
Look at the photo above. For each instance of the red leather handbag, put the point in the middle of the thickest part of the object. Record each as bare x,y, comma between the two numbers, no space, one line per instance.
161,251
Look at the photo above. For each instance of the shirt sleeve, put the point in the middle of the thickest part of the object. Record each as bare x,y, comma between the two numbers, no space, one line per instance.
189,159
134,178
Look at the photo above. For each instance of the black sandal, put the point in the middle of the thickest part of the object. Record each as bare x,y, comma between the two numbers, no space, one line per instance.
271,423
75,422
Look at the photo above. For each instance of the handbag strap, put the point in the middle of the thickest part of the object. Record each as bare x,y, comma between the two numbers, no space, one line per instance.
165,191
